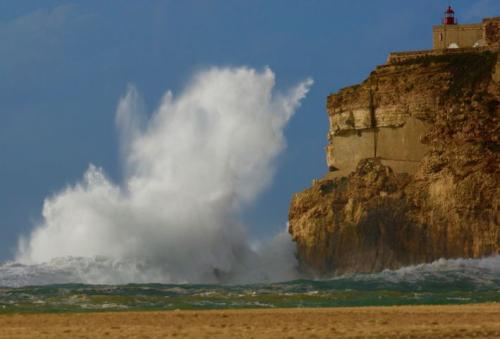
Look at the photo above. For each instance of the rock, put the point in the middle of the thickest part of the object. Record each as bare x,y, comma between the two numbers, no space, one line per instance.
438,114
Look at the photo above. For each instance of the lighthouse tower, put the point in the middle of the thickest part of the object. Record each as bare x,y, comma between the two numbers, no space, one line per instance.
449,17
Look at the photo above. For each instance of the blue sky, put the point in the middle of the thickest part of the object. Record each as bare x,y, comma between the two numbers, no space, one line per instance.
65,64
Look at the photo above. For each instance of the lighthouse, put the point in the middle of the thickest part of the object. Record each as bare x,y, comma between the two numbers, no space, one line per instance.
449,17
449,34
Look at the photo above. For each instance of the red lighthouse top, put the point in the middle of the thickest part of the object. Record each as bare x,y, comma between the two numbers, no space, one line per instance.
449,17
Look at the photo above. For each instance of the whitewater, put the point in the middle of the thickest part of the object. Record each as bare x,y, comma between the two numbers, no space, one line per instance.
59,288
190,168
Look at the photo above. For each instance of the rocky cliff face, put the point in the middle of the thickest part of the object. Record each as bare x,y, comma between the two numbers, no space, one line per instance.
414,172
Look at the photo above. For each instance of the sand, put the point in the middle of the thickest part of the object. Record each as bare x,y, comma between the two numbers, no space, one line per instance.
459,321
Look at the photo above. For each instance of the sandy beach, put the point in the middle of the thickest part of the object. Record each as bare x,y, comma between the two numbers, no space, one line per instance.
462,321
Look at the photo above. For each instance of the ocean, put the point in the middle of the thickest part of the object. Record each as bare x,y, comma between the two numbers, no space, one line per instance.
457,281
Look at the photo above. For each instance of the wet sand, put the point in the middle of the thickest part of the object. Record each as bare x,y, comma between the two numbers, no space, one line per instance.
459,321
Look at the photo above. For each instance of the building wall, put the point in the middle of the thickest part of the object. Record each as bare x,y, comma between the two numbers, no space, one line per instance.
461,35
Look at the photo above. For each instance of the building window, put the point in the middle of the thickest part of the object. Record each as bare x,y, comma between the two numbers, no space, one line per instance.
440,36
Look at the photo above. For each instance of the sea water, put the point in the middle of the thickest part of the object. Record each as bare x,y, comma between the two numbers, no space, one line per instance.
442,282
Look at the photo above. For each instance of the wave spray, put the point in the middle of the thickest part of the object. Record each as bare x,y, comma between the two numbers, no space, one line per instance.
188,171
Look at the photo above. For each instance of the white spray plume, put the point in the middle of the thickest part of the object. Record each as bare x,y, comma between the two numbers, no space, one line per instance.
188,170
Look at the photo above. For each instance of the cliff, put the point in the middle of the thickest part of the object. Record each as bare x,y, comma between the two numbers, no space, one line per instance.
413,158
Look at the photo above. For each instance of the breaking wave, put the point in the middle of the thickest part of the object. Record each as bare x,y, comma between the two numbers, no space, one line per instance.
469,274
62,285
189,170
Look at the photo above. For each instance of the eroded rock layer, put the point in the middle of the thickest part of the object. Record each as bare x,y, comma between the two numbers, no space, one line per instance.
414,169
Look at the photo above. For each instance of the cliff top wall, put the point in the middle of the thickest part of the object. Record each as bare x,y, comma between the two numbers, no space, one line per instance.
398,57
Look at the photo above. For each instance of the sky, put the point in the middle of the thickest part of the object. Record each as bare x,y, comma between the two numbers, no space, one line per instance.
65,64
